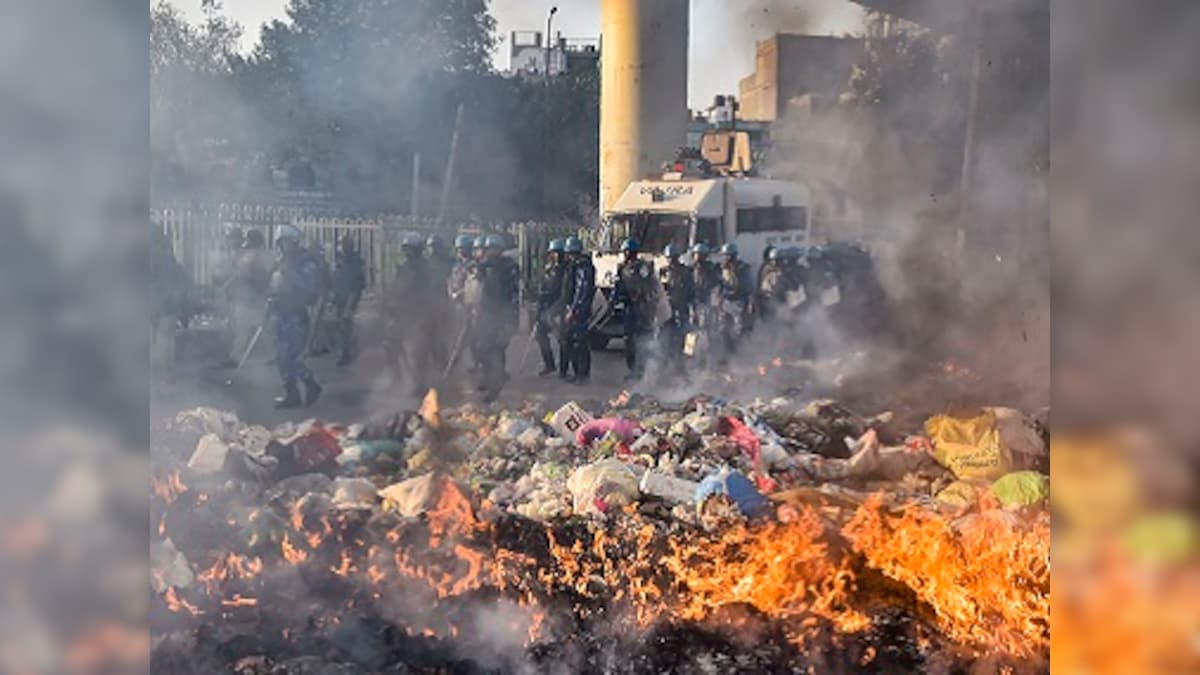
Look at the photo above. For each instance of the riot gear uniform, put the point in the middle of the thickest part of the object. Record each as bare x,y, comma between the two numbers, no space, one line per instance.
736,291
634,290
549,305
349,281
677,283
494,314
579,288
294,287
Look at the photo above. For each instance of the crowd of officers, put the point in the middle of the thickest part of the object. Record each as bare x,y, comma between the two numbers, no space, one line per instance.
444,308
704,309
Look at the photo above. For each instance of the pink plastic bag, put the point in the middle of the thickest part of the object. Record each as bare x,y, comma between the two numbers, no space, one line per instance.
625,429
748,441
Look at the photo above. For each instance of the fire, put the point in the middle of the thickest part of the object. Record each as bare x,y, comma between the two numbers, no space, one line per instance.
177,604
989,584
169,488
230,566
238,601
375,574
345,567
784,570
290,553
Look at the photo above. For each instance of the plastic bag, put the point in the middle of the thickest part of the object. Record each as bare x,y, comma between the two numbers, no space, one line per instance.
625,430
596,488
750,502
1022,488
970,447
417,495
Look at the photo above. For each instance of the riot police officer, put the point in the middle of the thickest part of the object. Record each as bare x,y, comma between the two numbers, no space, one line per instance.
463,260
456,288
677,283
735,293
440,264
549,305
706,283
494,318
772,284
349,282
408,329
634,292
247,292
579,287
294,288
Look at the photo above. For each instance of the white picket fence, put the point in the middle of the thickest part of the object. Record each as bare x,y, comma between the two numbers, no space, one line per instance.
198,237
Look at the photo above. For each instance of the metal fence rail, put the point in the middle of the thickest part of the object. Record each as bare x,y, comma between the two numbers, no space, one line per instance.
198,237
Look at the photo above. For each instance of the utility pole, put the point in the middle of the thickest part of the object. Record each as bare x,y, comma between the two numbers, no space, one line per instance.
967,177
549,19
450,164
416,185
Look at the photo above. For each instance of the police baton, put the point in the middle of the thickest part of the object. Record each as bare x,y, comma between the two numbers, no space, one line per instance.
250,347
458,348
528,346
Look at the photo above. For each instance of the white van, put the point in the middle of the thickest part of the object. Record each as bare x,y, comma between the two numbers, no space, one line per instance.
752,212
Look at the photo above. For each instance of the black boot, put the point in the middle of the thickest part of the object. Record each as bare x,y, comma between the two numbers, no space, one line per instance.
583,364
312,391
548,367
290,398
564,361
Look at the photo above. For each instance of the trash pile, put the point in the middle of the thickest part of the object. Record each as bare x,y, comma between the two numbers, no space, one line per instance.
634,536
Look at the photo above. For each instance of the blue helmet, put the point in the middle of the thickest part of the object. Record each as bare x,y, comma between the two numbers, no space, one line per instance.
494,241
480,242
462,241
433,241
411,240
630,245
700,248
573,245
730,249
672,251
556,246
776,254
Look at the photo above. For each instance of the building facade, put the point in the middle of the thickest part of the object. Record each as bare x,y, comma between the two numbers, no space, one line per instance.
790,67
528,54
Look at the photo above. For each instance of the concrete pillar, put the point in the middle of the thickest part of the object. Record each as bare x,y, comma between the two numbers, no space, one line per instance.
643,89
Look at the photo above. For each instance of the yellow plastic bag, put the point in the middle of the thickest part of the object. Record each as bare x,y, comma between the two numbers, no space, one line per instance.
970,447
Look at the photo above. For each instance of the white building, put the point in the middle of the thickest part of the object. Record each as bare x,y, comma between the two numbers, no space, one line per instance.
528,54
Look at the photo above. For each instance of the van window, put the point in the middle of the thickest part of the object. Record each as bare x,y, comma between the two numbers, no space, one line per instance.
653,230
708,230
772,219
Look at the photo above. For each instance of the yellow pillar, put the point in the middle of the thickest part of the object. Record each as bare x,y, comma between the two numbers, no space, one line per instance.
643,89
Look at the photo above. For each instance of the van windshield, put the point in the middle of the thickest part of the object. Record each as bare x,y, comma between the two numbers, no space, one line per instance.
653,230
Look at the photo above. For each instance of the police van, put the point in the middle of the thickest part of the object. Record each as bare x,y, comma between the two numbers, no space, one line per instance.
754,213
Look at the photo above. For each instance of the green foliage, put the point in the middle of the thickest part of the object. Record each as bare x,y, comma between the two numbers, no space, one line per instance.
353,88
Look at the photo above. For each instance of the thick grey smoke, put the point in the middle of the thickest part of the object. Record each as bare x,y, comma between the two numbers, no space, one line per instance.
894,142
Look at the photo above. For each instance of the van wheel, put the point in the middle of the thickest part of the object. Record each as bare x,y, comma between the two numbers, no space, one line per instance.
599,342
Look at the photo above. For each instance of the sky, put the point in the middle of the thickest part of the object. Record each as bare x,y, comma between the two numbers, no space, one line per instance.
722,37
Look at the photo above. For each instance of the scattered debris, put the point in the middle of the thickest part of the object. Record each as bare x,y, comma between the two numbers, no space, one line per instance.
762,536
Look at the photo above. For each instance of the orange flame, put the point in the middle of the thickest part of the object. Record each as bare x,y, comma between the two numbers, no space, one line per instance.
177,604
169,488
989,584
238,601
290,553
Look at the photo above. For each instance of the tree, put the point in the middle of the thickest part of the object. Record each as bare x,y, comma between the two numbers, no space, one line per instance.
189,70
347,91
355,87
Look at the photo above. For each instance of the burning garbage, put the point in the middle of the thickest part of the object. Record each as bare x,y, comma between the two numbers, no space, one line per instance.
776,535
